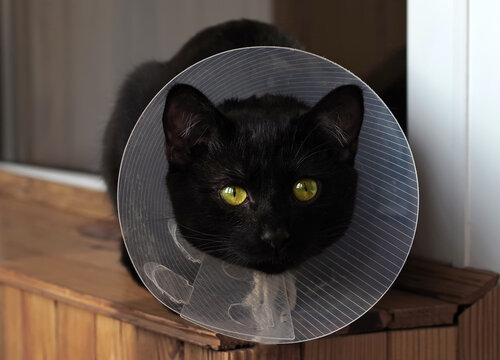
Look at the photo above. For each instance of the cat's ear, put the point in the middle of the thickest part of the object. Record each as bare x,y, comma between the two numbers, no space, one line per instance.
189,121
340,114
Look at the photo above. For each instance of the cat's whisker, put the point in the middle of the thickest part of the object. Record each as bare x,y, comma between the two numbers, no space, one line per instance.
233,259
160,219
211,237
313,152
215,248
213,241
217,251
212,245
293,138
194,230
207,143
306,138
201,136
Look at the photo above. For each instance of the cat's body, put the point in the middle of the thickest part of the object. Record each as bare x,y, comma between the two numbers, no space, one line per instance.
262,182
142,84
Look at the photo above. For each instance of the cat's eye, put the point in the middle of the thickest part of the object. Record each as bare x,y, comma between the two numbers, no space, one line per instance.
233,195
305,189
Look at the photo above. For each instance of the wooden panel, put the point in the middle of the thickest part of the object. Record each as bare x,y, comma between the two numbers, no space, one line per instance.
3,325
108,338
376,319
356,347
400,309
11,323
422,344
115,339
153,346
76,333
479,329
86,202
128,341
461,286
193,352
267,352
409,310
86,249
39,327
2,322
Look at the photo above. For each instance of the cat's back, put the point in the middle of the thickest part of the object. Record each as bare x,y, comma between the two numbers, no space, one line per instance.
230,35
146,80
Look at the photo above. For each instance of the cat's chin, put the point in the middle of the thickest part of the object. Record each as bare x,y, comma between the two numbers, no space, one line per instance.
267,263
273,266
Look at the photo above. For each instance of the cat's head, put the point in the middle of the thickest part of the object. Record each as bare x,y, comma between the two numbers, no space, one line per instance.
265,182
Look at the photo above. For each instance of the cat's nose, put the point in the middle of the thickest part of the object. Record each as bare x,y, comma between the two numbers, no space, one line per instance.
277,238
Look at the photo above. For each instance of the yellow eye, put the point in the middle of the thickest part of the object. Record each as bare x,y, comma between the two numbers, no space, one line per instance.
233,195
305,189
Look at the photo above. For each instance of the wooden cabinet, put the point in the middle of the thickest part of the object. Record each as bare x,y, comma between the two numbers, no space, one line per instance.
64,295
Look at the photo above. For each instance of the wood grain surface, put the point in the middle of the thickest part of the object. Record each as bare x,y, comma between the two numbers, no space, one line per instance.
461,286
357,347
69,257
65,295
438,343
39,334
76,333
12,318
268,352
154,346
33,326
479,329
75,200
115,339
409,310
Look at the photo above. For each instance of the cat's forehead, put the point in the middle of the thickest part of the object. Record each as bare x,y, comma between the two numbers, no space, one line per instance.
265,112
264,133
260,151
266,141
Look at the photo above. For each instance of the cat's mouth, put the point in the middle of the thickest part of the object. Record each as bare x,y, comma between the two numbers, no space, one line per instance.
267,259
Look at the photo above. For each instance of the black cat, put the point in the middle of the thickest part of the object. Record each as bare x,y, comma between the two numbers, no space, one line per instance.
264,182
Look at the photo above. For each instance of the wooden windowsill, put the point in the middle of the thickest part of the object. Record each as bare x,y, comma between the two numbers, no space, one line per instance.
63,242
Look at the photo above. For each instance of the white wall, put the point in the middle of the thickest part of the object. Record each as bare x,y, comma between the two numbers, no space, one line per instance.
437,123
453,120
484,135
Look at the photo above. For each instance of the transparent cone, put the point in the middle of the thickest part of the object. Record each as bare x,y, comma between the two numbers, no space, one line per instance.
327,292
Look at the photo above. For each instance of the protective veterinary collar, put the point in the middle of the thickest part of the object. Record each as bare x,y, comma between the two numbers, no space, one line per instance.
326,293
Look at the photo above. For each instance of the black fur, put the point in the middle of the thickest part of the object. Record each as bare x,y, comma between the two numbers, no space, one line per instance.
262,144
142,84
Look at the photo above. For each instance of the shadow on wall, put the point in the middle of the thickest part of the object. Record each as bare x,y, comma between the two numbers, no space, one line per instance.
368,37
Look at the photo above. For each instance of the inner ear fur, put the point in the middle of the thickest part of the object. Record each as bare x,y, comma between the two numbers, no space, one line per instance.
341,112
189,120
